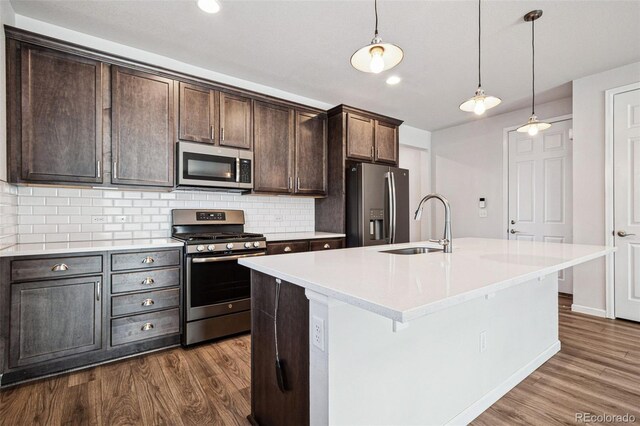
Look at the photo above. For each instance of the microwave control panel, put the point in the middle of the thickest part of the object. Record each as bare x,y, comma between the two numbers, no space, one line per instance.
245,171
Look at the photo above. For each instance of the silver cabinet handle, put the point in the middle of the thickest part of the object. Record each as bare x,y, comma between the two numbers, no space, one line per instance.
98,286
212,133
372,152
378,153
287,249
147,302
222,134
290,182
148,281
99,164
513,231
115,170
147,326
59,267
624,234
148,259
327,246
298,184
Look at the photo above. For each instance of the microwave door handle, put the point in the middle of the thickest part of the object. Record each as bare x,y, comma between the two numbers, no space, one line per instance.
237,170
223,258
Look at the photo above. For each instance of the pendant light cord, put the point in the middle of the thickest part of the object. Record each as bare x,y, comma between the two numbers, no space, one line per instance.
533,68
479,44
375,8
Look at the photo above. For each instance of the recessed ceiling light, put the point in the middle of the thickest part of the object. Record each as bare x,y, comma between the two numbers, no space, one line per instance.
209,6
393,80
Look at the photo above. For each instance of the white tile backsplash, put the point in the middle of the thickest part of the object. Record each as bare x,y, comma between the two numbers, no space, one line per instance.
9,226
49,214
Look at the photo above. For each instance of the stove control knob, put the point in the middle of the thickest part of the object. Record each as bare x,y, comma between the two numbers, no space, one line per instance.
256,244
230,246
211,247
200,247
247,245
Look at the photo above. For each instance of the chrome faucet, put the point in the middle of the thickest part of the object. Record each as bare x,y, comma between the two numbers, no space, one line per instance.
446,240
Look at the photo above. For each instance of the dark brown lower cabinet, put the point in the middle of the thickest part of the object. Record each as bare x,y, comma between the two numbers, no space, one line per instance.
55,318
269,405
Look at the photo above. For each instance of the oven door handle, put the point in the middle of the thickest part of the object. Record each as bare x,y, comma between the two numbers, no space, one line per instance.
223,258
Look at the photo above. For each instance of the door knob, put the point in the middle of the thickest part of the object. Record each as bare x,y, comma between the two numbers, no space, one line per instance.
624,234
513,231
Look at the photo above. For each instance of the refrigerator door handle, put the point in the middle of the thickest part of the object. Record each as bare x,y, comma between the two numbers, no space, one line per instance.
394,209
390,211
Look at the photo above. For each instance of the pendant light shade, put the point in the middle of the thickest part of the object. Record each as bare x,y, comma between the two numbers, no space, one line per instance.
533,125
479,102
376,56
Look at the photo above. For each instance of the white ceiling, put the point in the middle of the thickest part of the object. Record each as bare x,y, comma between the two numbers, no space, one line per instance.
304,46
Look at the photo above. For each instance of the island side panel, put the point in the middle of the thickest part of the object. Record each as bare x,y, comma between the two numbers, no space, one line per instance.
270,406
433,371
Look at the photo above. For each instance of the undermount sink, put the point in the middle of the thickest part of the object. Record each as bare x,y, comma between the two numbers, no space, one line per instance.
412,250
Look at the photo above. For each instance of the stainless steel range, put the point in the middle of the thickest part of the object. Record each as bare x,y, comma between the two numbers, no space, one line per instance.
217,288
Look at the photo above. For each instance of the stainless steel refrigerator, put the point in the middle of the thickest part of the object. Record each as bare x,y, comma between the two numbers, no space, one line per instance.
377,205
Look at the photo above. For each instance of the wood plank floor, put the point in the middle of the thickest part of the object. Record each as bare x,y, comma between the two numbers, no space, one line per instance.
597,371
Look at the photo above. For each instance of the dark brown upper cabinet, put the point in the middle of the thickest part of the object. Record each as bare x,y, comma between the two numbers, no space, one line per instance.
197,116
311,153
273,129
235,121
370,137
209,116
54,116
142,144
386,142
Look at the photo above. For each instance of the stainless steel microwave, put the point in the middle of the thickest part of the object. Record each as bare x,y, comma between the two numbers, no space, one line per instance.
208,166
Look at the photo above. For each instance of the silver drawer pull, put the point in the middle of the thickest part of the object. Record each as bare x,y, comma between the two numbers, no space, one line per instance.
148,281
327,246
287,249
147,302
59,267
148,259
147,326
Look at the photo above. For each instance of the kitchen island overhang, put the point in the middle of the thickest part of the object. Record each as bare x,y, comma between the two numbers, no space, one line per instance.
424,339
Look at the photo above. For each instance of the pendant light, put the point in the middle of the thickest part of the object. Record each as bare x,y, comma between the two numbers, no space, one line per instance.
376,56
533,126
479,102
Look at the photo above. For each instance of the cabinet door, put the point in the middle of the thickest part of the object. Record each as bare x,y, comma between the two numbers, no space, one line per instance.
359,137
235,121
311,153
61,110
53,319
386,142
142,128
273,136
197,113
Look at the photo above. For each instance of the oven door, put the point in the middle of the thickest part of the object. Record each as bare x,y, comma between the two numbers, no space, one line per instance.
212,166
217,285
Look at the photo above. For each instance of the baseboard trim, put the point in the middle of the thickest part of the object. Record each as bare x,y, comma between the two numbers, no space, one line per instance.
589,311
498,392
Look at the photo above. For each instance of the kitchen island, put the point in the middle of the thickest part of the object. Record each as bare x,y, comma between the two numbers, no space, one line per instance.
368,337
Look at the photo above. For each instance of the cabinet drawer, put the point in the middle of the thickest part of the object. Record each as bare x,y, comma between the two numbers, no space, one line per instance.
145,280
145,326
55,267
144,260
128,304
287,247
315,245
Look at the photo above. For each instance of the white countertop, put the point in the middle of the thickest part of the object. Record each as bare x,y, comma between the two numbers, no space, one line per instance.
405,287
292,236
88,246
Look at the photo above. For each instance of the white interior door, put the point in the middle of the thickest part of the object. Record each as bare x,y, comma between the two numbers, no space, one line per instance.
540,189
626,157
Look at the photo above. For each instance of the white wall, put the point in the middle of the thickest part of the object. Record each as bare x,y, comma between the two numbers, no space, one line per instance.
588,176
467,163
418,161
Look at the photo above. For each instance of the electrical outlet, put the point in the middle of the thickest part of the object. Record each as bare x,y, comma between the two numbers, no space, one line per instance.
120,219
99,219
483,341
317,332
482,213
279,218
